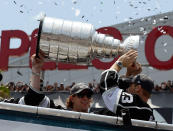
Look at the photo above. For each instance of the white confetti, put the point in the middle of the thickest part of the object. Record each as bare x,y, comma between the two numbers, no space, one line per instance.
149,19
151,68
141,29
77,12
40,16
142,19
129,21
165,44
141,42
165,50
161,19
161,30
144,32
165,17
154,22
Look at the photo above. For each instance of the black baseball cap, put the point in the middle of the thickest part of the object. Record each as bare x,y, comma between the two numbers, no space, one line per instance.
145,82
79,87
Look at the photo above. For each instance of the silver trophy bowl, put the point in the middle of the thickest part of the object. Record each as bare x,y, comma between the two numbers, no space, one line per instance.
77,42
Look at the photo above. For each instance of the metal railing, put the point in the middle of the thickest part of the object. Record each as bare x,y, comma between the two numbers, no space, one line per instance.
82,116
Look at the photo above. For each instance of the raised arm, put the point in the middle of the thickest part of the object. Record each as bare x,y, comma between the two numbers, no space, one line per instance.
109,78
37,64
125,60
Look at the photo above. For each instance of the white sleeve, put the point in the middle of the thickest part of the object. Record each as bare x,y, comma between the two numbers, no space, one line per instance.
111,98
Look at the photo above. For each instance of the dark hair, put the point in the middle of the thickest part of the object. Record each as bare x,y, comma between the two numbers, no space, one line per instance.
124,82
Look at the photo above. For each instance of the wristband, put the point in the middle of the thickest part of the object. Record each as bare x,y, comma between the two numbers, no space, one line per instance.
119,63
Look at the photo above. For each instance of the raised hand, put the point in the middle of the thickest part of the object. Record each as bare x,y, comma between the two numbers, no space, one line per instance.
37,63
128,58
134,69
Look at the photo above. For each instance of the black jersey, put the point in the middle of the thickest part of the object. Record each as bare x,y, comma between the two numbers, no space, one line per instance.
117,99
36,98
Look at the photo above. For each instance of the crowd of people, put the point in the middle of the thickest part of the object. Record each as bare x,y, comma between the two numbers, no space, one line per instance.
95,87
23,87
164,87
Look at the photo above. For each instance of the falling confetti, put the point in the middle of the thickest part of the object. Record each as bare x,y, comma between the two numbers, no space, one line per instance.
19,73
141,29
165,18
151,68
142,19
154,22
131,5
165,44
144,32
77,12
161,19
55,3
148,19
165,50
14,2
74,2
161,30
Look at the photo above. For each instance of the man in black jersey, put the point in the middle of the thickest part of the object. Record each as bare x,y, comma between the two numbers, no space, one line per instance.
134,98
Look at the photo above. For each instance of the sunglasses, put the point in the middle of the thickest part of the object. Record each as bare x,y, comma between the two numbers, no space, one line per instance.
82,94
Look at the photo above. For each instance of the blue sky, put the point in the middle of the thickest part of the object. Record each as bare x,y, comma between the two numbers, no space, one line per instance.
22,14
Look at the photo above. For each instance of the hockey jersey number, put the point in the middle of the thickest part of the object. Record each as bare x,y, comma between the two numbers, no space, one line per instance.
126,98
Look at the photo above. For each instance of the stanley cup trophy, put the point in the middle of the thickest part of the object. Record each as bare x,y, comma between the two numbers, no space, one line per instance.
77,42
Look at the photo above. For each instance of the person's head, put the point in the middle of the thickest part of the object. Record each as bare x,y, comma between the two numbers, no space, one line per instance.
61,85
142,86
169,83
80,98
55,84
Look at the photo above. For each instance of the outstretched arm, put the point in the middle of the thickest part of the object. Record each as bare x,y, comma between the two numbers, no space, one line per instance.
37,64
